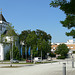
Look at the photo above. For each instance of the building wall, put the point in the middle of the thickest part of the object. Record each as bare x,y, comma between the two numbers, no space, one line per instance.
1,52
70,46
7,47
4,47
4,26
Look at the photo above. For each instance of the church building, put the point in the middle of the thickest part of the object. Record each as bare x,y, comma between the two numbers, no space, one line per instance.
3,25
3,30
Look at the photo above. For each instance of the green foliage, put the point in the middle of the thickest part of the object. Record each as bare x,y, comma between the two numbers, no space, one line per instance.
43,35
52,54
61,57
68,6
10,31
31,39
8,55
43,46
35,39
62,50
73,52
15,53
24,35
35,52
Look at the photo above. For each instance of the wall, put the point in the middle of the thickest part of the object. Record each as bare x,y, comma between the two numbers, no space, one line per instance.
1,52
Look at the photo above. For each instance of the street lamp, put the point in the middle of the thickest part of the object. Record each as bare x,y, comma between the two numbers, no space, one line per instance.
0,32
41,54
11,52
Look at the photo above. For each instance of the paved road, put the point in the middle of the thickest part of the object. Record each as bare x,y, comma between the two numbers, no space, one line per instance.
39,69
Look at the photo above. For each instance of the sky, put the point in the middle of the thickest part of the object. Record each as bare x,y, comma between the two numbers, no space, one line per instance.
35,14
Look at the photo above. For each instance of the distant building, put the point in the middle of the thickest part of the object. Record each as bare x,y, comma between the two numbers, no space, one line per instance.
70,44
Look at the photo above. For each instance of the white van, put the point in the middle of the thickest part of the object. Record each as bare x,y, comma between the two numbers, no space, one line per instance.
37,59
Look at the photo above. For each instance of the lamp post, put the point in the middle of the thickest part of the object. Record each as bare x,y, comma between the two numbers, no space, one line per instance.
0,32
72,62
64,68
26,52
41,54
11,52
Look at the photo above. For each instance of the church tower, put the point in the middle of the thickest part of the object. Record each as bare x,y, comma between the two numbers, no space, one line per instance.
3,28
3,23
4,48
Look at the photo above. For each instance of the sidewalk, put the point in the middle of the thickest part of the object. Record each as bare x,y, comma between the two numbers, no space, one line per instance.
69,69
40,69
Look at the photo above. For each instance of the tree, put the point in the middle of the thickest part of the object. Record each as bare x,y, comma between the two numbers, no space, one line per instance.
62,50
22,39
43,46
15,53
8,55
24,35
68,6
9,32
12,37
43,35
34,39
35,52
31,39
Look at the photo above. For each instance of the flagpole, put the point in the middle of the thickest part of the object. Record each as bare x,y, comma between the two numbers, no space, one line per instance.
41,54
26,51
31,54
21,51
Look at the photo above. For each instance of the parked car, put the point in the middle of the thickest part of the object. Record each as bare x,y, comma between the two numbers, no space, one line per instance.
37,59
49,59
29,60
14,61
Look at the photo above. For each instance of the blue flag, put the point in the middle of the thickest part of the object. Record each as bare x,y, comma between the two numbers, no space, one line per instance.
21,50
29,50
37,48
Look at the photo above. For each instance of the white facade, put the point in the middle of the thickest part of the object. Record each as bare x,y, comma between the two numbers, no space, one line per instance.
1,52
3,27
8,39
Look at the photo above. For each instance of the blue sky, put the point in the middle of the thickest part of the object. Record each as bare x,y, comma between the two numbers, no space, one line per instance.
35,14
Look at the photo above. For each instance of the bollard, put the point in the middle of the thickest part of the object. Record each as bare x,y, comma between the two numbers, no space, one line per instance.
59,61
64,68
72,62
67,61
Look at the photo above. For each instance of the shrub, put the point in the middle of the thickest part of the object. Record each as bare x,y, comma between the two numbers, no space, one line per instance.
61,57
74,52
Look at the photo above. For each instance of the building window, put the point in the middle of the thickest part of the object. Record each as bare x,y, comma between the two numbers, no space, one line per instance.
1,27
71,47
53,47
67,47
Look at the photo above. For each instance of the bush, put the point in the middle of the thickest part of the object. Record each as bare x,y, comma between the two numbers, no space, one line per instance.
74,52
8,55
52,55
61,57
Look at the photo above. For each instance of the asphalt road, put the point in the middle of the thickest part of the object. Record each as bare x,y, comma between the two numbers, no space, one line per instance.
38,69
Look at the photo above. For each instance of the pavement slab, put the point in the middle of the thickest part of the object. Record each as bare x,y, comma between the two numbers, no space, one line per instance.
39,69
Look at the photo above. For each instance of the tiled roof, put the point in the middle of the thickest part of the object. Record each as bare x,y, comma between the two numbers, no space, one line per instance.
2,18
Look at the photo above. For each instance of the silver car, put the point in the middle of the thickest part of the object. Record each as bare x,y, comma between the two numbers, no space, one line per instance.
14,61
